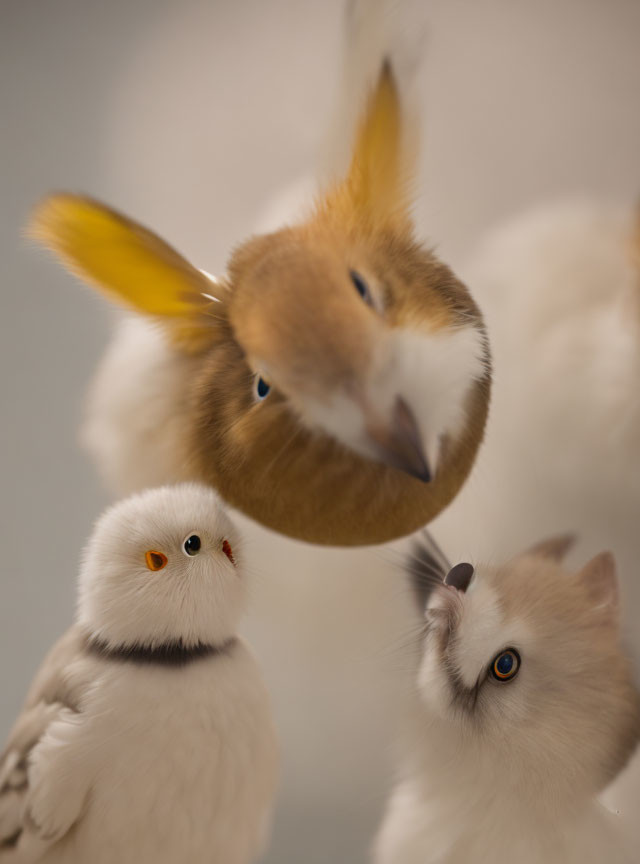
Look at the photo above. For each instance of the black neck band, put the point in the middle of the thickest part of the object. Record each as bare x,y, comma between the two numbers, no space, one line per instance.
174,653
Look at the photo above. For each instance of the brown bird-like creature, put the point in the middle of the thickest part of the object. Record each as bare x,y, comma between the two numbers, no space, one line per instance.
333,385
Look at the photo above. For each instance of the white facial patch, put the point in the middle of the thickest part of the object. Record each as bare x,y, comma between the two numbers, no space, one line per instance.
340,416
434,372
431,372
432,679
483,632
478,632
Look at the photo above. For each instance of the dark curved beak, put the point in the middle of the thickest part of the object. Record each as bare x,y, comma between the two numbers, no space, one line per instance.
399,443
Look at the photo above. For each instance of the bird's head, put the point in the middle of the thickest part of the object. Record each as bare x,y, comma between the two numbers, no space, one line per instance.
342,377
162,567
502,665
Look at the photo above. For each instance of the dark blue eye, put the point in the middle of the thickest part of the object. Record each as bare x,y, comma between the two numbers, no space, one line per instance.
261,388
505,666
361,287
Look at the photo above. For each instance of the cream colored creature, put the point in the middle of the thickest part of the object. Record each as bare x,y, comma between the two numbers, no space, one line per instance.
147,735
525,711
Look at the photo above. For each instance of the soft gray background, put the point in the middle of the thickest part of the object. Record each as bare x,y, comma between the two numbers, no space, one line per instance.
191,116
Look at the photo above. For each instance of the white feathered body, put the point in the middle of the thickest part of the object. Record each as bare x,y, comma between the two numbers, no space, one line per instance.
177,763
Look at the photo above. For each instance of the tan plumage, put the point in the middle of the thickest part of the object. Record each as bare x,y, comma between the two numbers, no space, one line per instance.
377,190
366,390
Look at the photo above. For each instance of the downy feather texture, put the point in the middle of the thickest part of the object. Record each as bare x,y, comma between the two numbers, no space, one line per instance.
509,770
333,385
147,733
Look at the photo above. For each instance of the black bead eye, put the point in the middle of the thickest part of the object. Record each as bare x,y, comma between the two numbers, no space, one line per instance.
192,545
505,666
361,287
261,388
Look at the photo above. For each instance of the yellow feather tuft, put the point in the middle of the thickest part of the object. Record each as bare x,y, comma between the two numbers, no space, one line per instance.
377,187
128,263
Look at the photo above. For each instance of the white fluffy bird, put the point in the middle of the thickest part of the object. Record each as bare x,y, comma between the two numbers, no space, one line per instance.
147,735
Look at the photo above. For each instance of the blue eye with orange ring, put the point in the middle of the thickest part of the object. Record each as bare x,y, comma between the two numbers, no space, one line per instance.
505,666
261,388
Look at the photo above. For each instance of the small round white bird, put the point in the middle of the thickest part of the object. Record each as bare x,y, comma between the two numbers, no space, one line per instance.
147,735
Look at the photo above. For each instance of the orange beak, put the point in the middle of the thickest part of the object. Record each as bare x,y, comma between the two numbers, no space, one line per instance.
155,560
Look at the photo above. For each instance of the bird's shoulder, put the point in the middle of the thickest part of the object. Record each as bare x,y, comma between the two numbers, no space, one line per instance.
53,681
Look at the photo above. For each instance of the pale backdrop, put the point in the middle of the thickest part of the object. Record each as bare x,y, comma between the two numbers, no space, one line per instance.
192,115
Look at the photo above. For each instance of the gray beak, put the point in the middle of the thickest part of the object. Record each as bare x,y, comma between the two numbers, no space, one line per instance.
399,444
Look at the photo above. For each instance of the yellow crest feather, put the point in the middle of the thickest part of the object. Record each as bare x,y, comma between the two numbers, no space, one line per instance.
377,186
127,262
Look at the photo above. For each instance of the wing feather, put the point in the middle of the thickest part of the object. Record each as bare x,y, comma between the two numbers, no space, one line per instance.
129,264
50,694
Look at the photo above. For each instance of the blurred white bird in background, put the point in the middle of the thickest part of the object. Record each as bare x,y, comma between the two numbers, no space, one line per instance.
560,286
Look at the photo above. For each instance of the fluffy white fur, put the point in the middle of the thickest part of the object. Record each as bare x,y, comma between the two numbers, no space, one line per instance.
435,373
138,444
192,599
144,763
507,772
